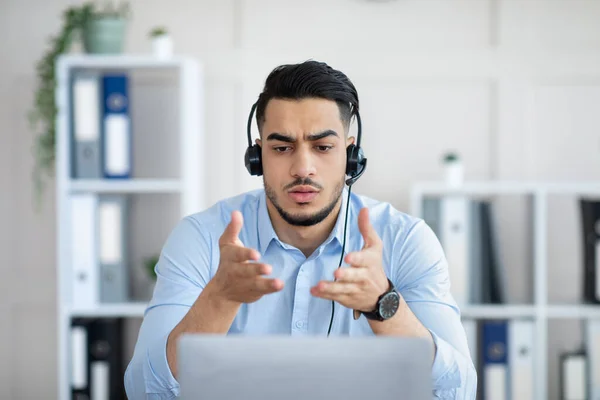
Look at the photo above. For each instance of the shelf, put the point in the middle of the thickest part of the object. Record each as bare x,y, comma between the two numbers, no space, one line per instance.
109,61
136,309
574,311
507,187
172,188
566,311
125,185
498,311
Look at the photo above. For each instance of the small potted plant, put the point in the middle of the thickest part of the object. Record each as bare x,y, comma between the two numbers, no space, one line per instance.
104,30
162,45
453,169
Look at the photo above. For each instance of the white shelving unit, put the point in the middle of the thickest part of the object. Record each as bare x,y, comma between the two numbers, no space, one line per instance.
541,310
188,185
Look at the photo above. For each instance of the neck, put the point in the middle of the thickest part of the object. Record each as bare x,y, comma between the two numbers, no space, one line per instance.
304,238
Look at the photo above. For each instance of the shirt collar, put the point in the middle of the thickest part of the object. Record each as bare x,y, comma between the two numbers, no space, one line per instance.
266,233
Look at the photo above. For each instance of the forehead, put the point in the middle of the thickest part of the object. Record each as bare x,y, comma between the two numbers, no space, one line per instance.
305,115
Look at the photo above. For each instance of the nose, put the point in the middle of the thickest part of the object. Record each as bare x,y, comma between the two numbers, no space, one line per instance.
303,164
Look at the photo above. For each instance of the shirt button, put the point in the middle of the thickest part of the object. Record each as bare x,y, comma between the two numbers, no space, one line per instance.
299,324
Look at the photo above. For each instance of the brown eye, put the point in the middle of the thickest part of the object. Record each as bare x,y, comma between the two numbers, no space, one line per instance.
324,149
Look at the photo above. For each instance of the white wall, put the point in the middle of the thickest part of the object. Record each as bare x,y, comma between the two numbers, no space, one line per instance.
513,85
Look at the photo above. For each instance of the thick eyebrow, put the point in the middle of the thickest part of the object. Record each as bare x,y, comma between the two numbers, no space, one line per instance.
290,139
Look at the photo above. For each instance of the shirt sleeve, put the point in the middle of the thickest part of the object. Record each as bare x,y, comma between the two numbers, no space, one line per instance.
182,272
423,281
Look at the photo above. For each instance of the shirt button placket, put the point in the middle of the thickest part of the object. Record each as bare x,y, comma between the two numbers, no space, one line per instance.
301,298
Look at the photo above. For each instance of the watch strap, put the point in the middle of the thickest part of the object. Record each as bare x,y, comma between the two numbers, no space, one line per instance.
375,315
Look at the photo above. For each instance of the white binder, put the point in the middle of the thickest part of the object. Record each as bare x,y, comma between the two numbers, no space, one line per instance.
573,375
112,232
592,339
79,358
454,233
520,358
85,280
100,380
86,125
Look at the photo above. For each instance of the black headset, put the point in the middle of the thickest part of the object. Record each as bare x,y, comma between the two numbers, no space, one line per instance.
356,163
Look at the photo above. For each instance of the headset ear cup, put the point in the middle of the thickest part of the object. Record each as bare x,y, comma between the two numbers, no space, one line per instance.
253,160
361,161
351,160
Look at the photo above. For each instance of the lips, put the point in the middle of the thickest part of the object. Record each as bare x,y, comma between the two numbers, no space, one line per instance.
303,194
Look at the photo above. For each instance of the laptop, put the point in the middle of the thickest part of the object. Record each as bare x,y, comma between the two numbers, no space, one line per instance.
212,367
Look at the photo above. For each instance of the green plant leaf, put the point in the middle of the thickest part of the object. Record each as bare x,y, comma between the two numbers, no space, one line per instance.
42,116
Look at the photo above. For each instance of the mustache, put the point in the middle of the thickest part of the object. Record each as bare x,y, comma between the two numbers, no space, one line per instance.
303,182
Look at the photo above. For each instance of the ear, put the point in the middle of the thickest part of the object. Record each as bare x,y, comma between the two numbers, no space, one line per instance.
349,141
258,142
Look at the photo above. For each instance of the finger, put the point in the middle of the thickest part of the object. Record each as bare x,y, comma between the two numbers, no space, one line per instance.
267,285
366,229
351,275
251,270
230,235
362,259
237,253
329,289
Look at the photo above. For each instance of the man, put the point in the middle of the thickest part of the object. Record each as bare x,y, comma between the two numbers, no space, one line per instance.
266,262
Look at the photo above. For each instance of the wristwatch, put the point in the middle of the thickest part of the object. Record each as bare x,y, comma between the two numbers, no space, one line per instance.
386,307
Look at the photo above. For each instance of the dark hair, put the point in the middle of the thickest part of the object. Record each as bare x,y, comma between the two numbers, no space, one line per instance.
306,80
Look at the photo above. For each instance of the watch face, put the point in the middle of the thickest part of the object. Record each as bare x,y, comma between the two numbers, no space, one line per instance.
389,305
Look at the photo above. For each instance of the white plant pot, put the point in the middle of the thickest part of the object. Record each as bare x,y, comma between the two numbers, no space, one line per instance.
162,46
454,172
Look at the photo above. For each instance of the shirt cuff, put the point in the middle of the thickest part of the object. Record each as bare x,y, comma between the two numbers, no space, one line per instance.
445,373
158,375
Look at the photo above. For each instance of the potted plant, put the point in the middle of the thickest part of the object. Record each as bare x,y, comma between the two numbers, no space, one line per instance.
104,30
88,24
150,263
453,169
162,45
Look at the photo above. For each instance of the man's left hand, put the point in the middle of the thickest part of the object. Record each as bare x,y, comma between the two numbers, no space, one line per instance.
359,286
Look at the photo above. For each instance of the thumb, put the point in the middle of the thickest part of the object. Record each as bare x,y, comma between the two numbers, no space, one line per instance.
230,235
366,229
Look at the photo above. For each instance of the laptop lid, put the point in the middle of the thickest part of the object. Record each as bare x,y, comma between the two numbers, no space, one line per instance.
214,367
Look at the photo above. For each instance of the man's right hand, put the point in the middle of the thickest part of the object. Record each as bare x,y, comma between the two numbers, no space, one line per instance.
239,279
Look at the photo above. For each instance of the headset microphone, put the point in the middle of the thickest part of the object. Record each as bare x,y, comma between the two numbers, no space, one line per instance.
356,163
350,181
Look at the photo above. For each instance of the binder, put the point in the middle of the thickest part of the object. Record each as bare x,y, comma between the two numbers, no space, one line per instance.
79,360
454,228
448,217
592,340
573,372
466,231
106,359
84,260
590,218
492,272
100,379
495,360
112,235
86,126
116,127
520,358
476,256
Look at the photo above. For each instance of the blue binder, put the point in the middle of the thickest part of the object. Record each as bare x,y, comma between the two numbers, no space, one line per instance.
116,127
495,360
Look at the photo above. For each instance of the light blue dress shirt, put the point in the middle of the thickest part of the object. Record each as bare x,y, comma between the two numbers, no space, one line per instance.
413,259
